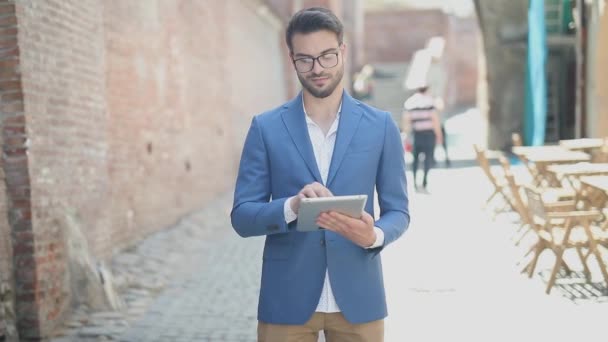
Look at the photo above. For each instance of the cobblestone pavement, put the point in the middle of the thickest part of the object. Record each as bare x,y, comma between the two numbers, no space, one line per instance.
453,276
197,281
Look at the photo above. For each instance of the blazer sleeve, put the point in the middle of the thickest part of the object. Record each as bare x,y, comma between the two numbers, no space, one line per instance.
391,185
253,211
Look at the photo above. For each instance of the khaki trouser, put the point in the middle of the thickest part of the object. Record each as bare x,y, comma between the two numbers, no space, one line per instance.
334,325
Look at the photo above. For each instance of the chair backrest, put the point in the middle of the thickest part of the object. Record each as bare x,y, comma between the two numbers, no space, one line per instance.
520,204
504,162
484,163
536,207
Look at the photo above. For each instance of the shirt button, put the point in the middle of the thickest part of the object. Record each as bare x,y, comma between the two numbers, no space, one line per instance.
322,242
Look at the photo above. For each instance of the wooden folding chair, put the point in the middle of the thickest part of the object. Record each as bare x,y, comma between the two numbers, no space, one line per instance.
499,184
553,199
517,141
560,231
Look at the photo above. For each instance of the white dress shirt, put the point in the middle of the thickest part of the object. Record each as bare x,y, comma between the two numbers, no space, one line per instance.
323,147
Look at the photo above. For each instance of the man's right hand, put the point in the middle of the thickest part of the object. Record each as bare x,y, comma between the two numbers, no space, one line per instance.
311,190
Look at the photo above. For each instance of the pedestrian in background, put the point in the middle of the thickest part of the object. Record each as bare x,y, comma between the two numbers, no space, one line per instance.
421,117
439,105
321,143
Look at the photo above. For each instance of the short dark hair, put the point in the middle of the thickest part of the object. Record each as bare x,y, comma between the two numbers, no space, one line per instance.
312,20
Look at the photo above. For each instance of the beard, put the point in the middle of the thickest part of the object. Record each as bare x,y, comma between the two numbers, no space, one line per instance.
328,89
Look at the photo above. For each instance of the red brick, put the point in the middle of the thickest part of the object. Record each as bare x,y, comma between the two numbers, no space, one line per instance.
6,21
9,52
14,151
8,42
8,32
7,8
24,236
22,248
14,141
11,107
15,120
10,85
9,63
14,96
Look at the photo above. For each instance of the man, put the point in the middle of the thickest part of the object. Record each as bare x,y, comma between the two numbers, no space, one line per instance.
321,143
420,115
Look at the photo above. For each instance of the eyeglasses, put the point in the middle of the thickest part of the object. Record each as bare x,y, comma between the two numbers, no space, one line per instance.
306,64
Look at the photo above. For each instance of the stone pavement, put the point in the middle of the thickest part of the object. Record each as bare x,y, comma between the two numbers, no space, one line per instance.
452,276
197,281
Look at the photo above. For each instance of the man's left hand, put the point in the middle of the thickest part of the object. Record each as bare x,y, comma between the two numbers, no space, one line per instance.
360,231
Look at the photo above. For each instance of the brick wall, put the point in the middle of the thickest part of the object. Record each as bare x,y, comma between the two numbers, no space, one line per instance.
14,191
61,47
136,113
183,80
257,68
394,36
460,61
8,48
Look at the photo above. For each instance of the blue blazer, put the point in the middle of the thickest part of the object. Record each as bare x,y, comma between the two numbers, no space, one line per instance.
277,161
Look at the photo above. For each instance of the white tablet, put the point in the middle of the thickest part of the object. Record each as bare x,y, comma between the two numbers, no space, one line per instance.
311,208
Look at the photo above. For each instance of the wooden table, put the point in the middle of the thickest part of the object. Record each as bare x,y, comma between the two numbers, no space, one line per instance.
577,170
598,182
583,144
596,190
523,151
571,173
542,158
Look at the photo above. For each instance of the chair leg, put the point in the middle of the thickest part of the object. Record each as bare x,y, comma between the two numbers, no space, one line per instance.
522,236
559,255
593,248
583,258
490,198
532,265
509,205
566,267
531,249
600,261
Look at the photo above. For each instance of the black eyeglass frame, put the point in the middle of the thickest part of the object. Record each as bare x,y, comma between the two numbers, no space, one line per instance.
318,60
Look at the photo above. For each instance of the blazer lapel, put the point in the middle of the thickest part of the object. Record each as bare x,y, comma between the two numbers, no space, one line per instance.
294,120
349,121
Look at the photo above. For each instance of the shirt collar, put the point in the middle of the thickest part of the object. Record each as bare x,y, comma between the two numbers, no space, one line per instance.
309,120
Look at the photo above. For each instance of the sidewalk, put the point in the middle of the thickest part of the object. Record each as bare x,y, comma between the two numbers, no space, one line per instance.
452,276
455,277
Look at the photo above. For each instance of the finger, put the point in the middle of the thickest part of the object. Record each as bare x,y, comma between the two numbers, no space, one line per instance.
341,222
308,192
325,192
295,203
319,189
367,218
326,222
